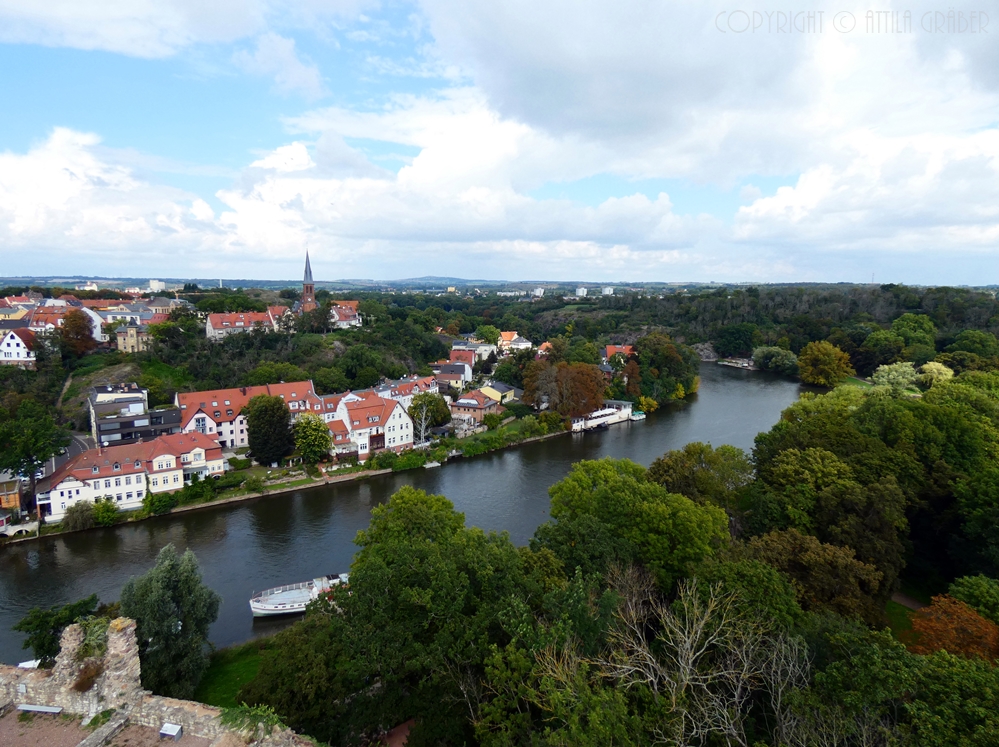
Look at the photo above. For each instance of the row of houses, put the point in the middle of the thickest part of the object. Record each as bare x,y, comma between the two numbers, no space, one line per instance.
124,474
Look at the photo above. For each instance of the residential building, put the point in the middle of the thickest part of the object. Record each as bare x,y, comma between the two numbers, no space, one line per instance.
474,405
133,338
538,292
499,391
511,342
343,314
50,317
462,370
481,349
125,473
363,423
119,414
10,491
608,291
463,356
220,326
403,390
581,292
219,413
157,286
611,350
17,348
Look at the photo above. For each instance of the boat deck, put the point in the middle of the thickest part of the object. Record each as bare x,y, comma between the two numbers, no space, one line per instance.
287,596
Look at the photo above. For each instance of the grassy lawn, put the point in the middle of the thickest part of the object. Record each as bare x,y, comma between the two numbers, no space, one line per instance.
854,381
228,670
899,619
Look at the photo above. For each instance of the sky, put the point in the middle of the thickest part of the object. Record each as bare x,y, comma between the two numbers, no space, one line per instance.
524,140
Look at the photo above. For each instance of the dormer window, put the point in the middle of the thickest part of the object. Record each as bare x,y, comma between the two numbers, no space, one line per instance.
138,464
228,402
116,467
96,469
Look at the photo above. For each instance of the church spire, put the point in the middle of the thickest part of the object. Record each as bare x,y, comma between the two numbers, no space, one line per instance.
308,269
308,302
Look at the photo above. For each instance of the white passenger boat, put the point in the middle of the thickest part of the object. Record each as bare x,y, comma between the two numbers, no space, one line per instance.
637,415
291,598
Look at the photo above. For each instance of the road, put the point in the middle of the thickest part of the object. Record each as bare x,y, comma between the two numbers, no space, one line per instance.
78,444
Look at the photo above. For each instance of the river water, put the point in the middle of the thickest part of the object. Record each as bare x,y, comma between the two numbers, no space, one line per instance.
297,536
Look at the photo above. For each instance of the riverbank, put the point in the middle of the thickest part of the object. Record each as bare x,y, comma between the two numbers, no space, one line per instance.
241,495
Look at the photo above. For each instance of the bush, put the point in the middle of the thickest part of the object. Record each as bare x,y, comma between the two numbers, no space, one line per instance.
105,512
552,421
410,460
383,460
160,503
492,421
95,637
254,484
79,516
237,463
230,480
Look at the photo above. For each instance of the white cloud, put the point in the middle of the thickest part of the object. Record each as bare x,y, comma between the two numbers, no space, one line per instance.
275,56
158,28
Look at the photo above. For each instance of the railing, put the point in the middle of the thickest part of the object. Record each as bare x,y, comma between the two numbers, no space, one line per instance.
277,589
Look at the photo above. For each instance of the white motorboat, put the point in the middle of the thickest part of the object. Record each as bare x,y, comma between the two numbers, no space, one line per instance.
292,598
637,415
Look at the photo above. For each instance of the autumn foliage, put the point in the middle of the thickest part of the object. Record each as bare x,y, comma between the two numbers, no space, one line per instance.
950,625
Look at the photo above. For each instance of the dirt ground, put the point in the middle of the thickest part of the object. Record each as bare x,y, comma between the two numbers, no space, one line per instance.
143,736
41,730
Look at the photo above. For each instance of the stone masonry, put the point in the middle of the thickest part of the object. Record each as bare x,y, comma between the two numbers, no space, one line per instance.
119,687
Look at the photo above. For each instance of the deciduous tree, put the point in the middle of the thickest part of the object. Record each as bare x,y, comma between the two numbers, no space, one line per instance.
824,364
77,333
268,423
950,625
313,439
29,440
428,411
44,627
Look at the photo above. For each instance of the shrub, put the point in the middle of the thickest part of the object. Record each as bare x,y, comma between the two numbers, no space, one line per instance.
383,460
254,484
105,512
410,460
160,503
552,421
230,480
237,463
95,637
492,421
79,516
519,410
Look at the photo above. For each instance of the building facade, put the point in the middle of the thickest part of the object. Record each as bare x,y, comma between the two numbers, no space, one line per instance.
17,348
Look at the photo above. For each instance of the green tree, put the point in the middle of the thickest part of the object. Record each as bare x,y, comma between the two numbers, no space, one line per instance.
77,334
44,627
105,512
172,609
896,376
777,360
702,473
824,364
915,329
427,411
933,373
313,439
273,372
30,439
982,344
330,380
737,339
79,516
488,333
665,531
269,434
981,593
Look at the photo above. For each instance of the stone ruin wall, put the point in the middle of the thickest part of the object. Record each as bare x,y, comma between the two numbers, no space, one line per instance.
119,687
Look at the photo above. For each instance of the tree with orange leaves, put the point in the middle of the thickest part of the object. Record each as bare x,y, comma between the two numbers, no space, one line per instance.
951,625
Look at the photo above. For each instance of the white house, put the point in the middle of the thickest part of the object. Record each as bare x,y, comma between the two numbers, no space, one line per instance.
124,474
219,413
17,348
364,423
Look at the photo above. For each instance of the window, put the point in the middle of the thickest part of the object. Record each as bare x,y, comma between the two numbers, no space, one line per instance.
139,494
117,482
138,464
128,496
176,479
96,469
128,480
116,467
107,483
118,497
63,505
227,402
156,482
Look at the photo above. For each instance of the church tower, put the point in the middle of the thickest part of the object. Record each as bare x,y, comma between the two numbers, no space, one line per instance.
308,302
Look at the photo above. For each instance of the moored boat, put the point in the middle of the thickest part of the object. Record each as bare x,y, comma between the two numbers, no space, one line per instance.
292,598
637,415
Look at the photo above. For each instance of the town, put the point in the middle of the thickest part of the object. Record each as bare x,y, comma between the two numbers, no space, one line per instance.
135,452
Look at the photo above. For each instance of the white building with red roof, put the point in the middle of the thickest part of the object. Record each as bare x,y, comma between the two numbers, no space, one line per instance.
363,423
220,326
219,413
124,474
17,348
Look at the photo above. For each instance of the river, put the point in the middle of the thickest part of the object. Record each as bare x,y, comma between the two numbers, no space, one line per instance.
297,536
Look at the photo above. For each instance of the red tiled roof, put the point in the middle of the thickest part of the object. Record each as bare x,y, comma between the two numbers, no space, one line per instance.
191,403
240,319
27,337
625,350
